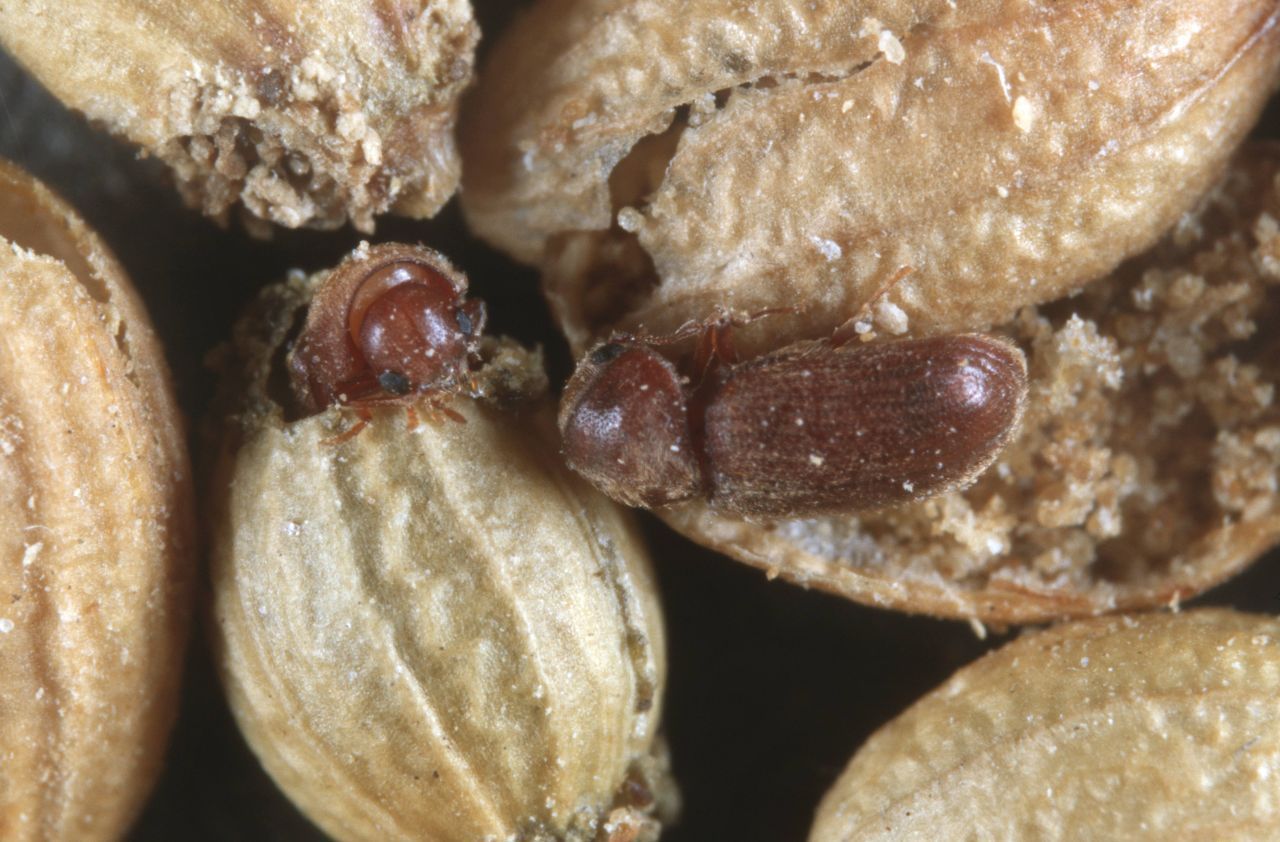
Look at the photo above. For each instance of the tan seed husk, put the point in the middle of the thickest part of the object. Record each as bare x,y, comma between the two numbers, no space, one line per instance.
437,632
1141,728
661,163
95,531
657,172
303,114
1148,463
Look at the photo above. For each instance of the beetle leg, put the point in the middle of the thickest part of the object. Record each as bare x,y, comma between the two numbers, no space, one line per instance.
715,345
452,414
436,407
364,417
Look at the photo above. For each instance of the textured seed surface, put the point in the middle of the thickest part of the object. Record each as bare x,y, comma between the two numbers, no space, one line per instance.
95,531
661,163
816,428
433,633
303,114
658,166
1148,461
1146,728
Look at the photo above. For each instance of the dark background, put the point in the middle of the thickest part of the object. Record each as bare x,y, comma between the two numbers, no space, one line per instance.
771,688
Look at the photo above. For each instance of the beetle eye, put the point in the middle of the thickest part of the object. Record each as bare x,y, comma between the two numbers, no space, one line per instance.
464,322
393,382
607,353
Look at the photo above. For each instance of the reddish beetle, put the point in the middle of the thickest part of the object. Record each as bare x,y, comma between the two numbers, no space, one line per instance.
816,427
389,325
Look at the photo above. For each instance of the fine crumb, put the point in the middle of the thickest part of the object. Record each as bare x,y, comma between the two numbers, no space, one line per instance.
1024,113
1152,424
891,47
891,318
314,143
629,219
830,248
1245,478
31,552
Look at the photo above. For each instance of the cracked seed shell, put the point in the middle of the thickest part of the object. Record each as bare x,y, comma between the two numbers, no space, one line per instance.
304,114
1147,465
656,173
659,164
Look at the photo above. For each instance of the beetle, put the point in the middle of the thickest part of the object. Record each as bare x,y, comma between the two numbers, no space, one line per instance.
817,427
390,325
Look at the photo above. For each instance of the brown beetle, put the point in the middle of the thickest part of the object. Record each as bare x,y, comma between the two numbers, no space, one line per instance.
816,427
390,324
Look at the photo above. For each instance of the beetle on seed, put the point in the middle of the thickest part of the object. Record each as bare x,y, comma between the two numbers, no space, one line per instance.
390,325
817,427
